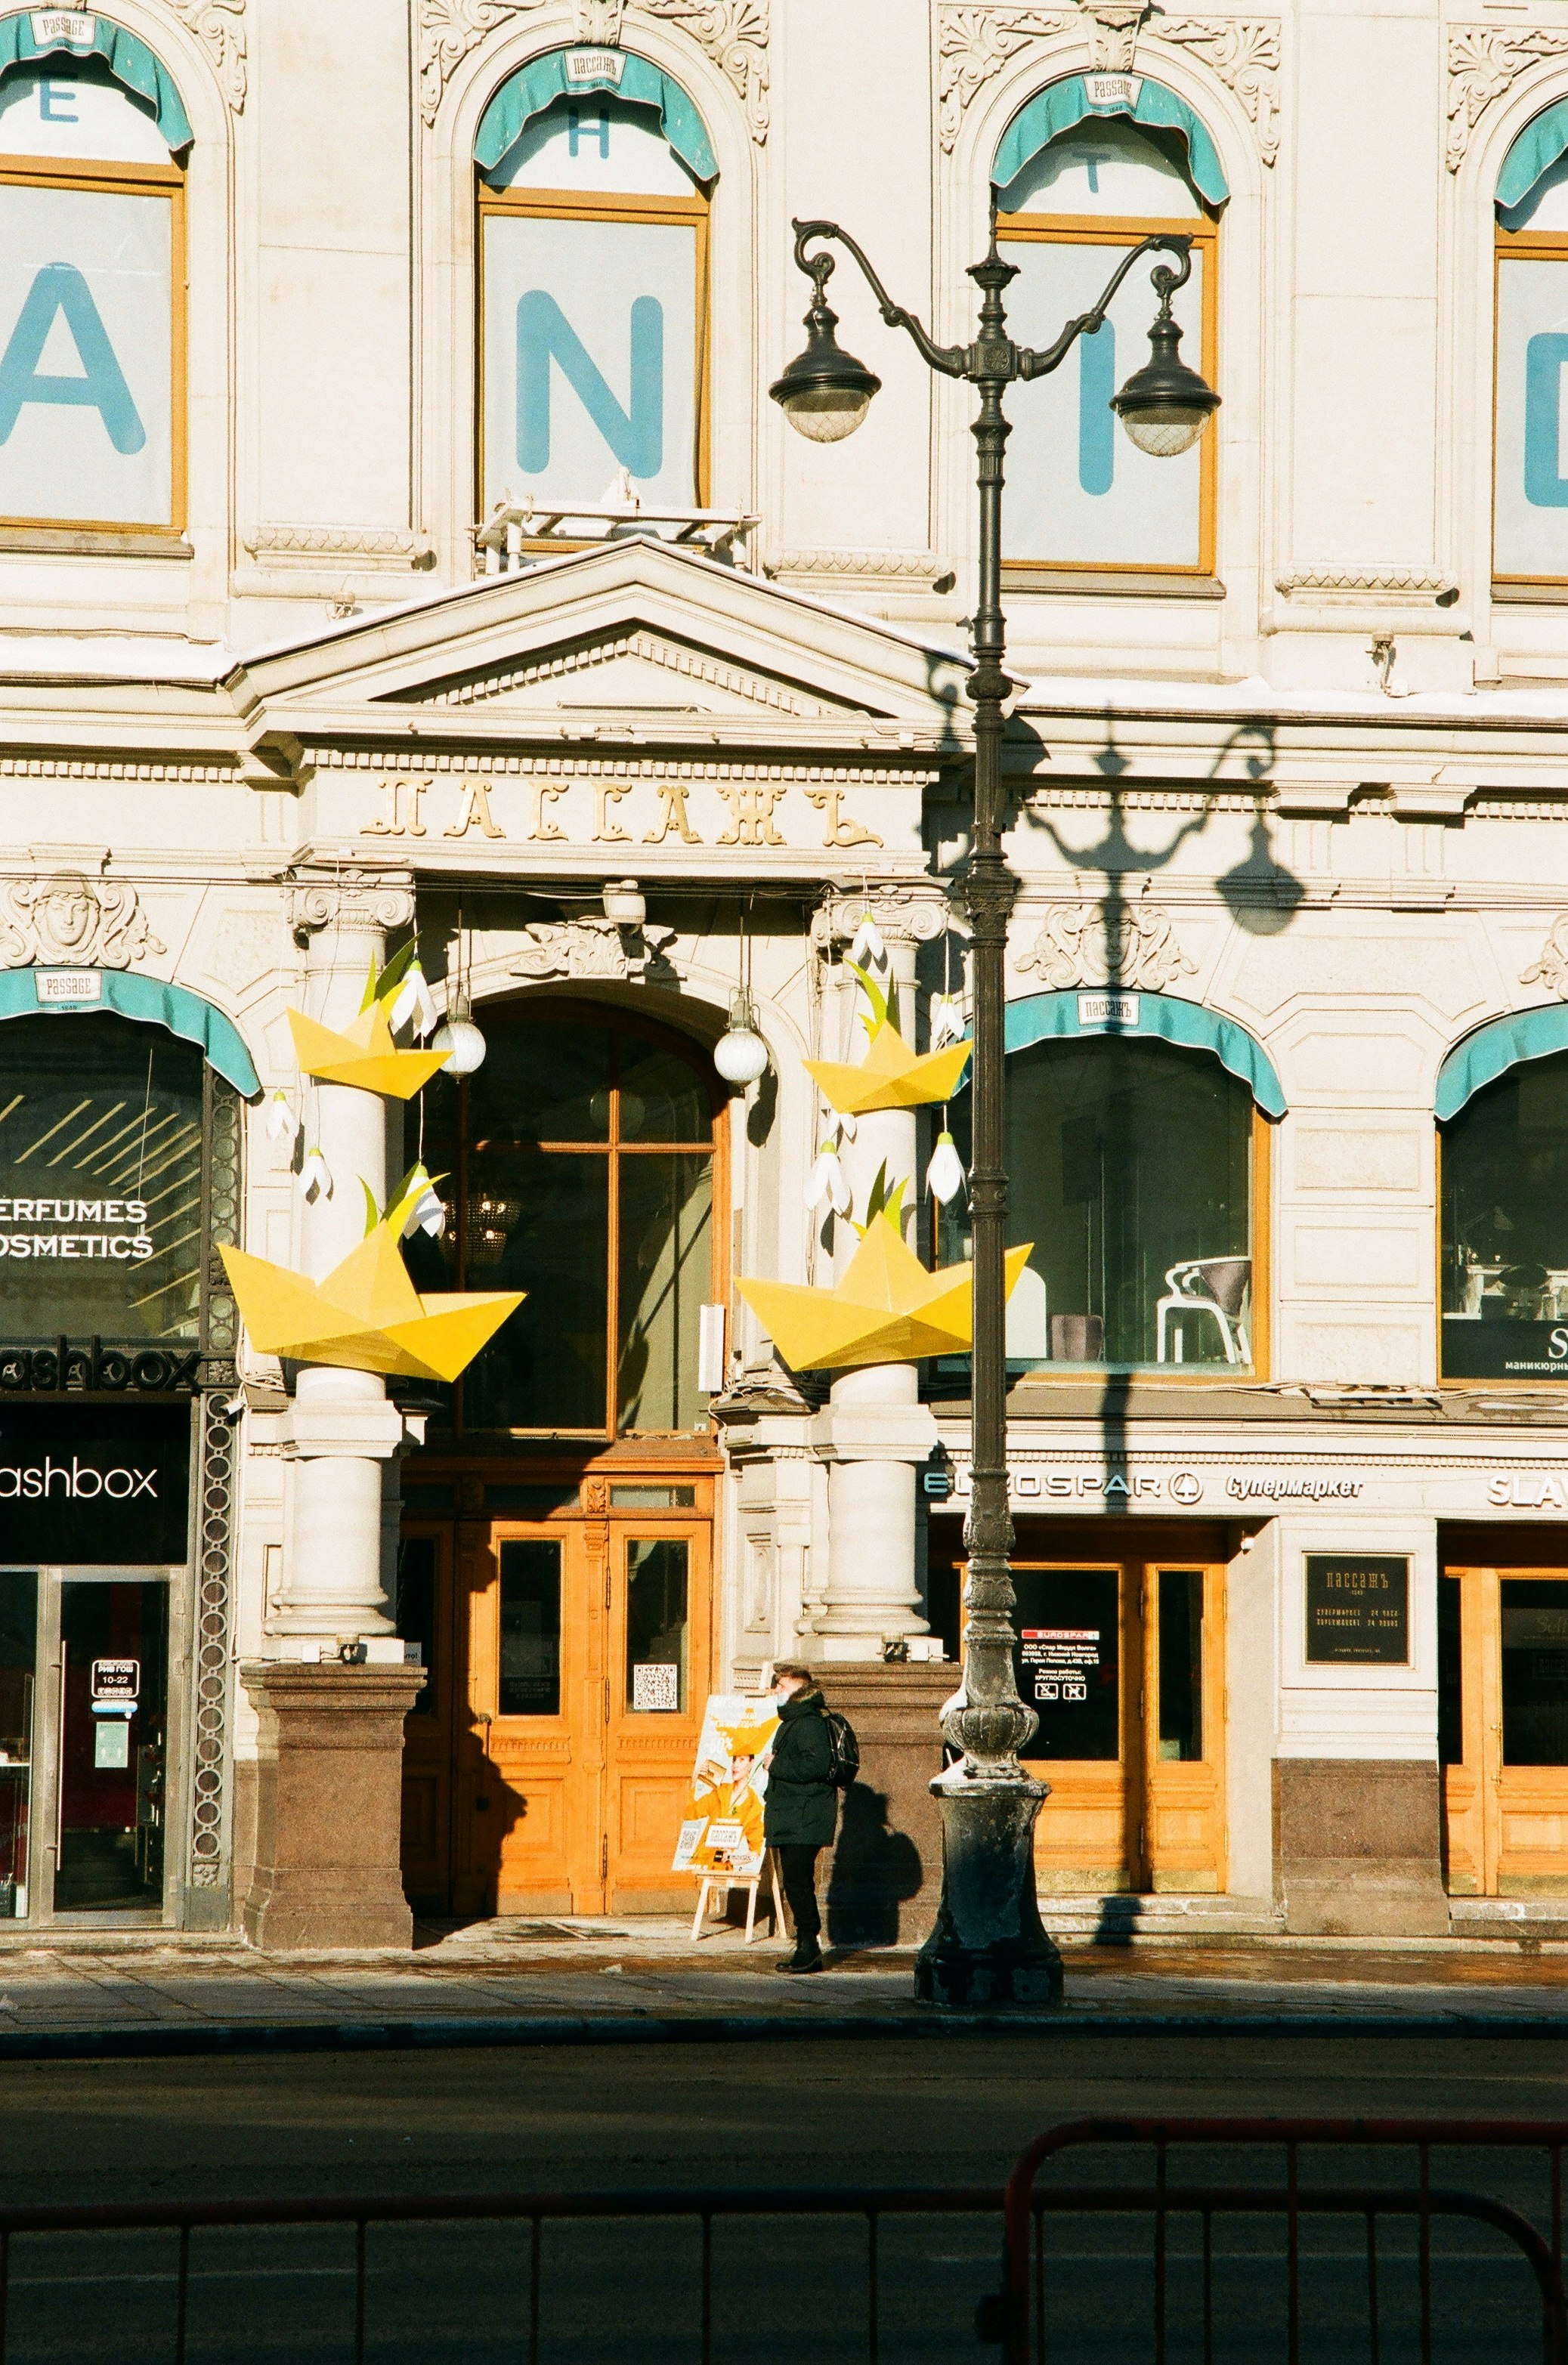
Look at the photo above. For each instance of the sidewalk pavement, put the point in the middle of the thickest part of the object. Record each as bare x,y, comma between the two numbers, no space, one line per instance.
643,1979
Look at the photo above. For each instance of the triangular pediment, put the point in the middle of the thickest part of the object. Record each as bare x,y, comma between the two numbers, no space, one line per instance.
639,634
636,668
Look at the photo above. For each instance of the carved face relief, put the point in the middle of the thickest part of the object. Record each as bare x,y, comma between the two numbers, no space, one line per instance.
65,914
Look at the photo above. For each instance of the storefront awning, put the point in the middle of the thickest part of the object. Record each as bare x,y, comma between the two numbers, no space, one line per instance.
144,998
1110,1011
1496,1047
128,60
543,81
1532,155
1072,101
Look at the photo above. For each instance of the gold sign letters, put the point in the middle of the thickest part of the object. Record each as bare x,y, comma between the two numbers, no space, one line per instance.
750,811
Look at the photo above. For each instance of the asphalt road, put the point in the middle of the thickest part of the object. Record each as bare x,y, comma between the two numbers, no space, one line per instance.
825,2114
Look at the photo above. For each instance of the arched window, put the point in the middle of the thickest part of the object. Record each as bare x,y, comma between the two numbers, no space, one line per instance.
1133,1169
92,280
1085,170
1531,479
1505,1225
580,1167
593,248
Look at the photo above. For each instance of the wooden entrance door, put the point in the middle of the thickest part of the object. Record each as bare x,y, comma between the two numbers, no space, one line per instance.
1503,1729
1123,1661
570,1661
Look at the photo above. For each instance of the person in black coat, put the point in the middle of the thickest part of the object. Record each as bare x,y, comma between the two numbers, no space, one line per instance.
801,1806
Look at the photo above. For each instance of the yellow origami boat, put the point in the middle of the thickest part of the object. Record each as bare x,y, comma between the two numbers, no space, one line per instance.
886,1309
364,1055
367,1316
891,1076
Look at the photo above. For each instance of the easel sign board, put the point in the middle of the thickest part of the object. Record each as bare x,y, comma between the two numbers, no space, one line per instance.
721,1832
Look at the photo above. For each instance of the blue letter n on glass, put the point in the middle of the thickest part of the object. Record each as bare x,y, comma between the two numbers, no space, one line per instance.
635,435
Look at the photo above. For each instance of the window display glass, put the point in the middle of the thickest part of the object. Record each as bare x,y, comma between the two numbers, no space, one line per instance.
1504,1228
1130,1165
576,1164
100,1181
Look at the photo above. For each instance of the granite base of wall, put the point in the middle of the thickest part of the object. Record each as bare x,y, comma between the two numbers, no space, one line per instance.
885,1874
1358,1848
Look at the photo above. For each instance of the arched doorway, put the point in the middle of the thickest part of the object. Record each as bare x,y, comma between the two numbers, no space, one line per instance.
557,1556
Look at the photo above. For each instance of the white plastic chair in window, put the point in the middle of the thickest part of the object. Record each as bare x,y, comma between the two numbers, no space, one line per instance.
1212,1285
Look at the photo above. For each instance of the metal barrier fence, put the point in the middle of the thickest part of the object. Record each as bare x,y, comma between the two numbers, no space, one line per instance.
1176,2299
1019,2319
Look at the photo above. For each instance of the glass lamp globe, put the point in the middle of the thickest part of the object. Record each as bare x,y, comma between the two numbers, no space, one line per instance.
740,1054
1165,405
460,1039
825,392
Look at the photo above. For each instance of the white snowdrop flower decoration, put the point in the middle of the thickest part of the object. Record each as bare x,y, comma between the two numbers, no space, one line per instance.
945,1175
868,945
281,1122
946,1020
415,1001
315,1178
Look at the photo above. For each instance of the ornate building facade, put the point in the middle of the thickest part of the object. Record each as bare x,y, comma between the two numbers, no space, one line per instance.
397,541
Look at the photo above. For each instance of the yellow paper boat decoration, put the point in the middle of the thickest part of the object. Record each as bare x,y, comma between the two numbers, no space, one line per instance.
886,1309
364,1055
367,1316
892,1076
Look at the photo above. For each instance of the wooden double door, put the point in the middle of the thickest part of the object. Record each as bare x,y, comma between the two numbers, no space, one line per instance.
546,1764
1122,1658
1503,1728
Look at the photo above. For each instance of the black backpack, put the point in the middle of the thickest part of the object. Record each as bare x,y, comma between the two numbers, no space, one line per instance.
844,1748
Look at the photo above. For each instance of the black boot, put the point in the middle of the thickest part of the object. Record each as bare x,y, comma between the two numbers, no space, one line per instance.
807,1957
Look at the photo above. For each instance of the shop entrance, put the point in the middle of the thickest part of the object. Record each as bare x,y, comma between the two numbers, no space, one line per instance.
567,1631
1503,1726
85,1744
1120,1654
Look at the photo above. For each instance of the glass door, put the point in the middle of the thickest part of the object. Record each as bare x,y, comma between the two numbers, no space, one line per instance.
658,1597
1503,1729
1078,1665
111,1744
1123,1666
18,1668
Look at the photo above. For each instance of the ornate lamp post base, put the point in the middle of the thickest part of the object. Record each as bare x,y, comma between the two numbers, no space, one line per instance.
990,1950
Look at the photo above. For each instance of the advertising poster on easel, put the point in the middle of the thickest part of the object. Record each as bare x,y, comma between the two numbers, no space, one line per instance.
721,1832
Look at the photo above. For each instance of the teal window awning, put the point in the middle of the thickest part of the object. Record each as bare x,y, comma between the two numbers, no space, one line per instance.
544,80
1064,104
1532,155
128,60
1067,1017
1496,1047
147,999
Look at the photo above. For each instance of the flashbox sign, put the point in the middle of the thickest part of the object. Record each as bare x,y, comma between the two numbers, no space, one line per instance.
91,1483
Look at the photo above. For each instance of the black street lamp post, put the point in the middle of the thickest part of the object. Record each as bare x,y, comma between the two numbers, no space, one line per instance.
989,1946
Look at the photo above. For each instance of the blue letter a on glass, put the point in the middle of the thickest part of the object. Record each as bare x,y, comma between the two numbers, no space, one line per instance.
60,289
635,435
1545,487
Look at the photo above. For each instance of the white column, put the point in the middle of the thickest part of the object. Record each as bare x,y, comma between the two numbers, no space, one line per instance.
875,1433
340,1430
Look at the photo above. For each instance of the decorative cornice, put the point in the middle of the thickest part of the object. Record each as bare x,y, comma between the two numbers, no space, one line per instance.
1087,944
975,42
65,920
116,768
220,27
924,567
1484,61
501,764
733,33
337,542
1383,579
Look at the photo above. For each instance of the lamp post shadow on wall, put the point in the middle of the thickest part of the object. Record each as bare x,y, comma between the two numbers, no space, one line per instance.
989,1946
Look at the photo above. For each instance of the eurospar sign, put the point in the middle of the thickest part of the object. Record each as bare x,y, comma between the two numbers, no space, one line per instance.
85,1483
